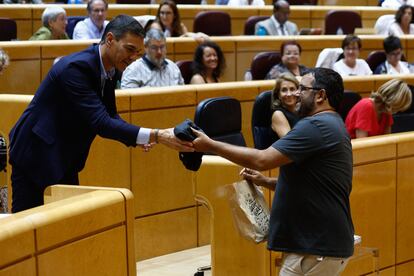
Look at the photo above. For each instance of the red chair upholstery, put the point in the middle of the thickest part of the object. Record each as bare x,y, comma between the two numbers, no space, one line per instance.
262,63
250,24
133,1
213,23
303,2
346,20
375,58
186,70
8,29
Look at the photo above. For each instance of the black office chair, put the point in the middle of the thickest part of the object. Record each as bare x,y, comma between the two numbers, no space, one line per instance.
72,21
263,134
220,119
349,100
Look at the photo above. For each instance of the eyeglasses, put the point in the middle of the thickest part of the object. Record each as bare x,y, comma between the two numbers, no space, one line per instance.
302,88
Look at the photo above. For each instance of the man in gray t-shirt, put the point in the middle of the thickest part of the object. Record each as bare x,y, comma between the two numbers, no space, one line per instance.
310,219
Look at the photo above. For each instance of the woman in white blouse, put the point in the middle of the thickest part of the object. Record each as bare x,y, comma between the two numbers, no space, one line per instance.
402,24
351,65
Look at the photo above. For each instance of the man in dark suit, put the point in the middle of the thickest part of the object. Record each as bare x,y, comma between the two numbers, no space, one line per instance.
74,103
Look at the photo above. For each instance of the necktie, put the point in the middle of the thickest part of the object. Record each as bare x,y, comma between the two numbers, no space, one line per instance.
282,29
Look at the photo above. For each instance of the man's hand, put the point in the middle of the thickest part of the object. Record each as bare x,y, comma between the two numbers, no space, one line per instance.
202,143
167,137
258,178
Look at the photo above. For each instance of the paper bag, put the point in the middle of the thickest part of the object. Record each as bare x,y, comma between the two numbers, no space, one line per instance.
249,209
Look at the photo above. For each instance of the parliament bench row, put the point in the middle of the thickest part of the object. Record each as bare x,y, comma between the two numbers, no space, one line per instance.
164,208
28,17
31,61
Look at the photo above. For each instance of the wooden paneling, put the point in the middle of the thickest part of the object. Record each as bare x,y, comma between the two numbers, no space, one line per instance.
74,259
225,240
405,207
160,172
405,269
165,233
26,268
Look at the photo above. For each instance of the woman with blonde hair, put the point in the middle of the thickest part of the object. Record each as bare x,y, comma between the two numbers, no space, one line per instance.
284,99
373,116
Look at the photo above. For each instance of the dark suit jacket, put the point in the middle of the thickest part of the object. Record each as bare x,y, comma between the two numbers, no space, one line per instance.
52,138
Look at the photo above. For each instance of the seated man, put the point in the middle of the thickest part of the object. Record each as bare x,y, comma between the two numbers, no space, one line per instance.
93,26
278,23
153,69
393,65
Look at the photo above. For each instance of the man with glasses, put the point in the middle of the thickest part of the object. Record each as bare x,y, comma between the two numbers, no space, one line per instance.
93,26
153,69
310,221
393,64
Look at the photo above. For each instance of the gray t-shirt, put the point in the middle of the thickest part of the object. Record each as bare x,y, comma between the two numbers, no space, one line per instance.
310,212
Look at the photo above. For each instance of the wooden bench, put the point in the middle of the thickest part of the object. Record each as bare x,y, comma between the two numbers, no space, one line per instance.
28,17
382,205
31,61
80,231
164,207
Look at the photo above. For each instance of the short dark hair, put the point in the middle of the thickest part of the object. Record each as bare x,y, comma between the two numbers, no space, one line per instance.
198,66
90,2
351,39
392,43
277,4
400,12
332,82
121,25
287,43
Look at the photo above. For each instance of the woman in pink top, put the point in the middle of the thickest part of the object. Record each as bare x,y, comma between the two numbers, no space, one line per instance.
373,116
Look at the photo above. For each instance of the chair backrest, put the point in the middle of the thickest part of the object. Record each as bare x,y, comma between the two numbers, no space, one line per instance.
375,58
220,118
72,21
303,2
133,1
8,29
188,2
346,20
349,100
262,63
403,122
263,135
213,23
383,23
250,24
186,70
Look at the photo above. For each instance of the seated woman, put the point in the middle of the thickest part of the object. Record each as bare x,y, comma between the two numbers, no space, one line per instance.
284,99
208,63
373,116
402,24
168,19
54,24
351,65
393,64
290,51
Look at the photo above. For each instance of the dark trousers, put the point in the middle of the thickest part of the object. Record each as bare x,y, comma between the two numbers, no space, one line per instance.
27,194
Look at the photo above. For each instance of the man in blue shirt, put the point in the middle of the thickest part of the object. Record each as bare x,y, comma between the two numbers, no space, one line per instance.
93,26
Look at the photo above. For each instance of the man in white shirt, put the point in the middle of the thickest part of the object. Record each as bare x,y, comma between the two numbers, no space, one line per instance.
278,23
395,4
93,26
245,3
153,69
